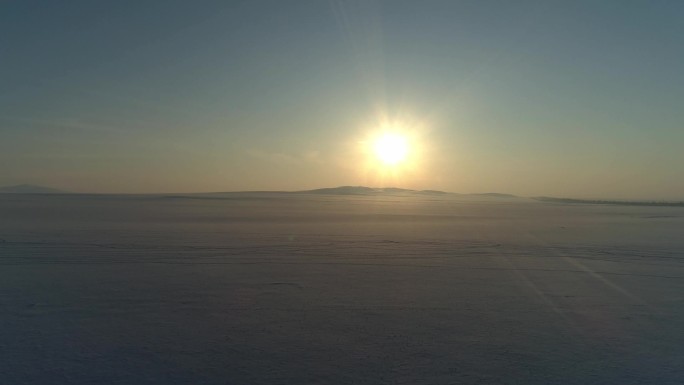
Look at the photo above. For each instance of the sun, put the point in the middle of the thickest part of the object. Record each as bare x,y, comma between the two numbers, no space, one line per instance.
392,152
391,148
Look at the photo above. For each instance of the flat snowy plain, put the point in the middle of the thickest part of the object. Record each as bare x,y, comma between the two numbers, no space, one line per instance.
278,288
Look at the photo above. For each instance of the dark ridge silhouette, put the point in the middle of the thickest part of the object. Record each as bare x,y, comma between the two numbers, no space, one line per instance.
31,189
342,190
363,190
434,192
495,195
610,202
394,190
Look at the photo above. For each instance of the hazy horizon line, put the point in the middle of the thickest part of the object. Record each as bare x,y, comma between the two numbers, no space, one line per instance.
558,199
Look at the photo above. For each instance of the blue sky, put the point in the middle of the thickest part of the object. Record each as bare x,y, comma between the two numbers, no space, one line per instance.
570,98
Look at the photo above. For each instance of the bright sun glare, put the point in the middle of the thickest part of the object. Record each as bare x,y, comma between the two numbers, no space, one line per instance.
391,148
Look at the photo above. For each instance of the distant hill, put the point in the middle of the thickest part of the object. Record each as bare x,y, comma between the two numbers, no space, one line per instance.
494,195
363,190
610,202
342,190
30,189
433,192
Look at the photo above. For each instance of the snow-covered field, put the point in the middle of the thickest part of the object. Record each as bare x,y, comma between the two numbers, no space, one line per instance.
268,288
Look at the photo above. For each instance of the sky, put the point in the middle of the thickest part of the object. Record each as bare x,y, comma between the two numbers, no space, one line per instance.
535,98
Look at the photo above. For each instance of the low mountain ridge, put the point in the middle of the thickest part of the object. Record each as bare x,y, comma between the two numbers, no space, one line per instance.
363,190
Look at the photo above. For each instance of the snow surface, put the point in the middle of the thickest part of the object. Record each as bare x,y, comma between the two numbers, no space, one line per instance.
267,288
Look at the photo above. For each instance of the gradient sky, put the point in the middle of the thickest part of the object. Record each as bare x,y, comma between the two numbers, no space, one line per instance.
574,98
